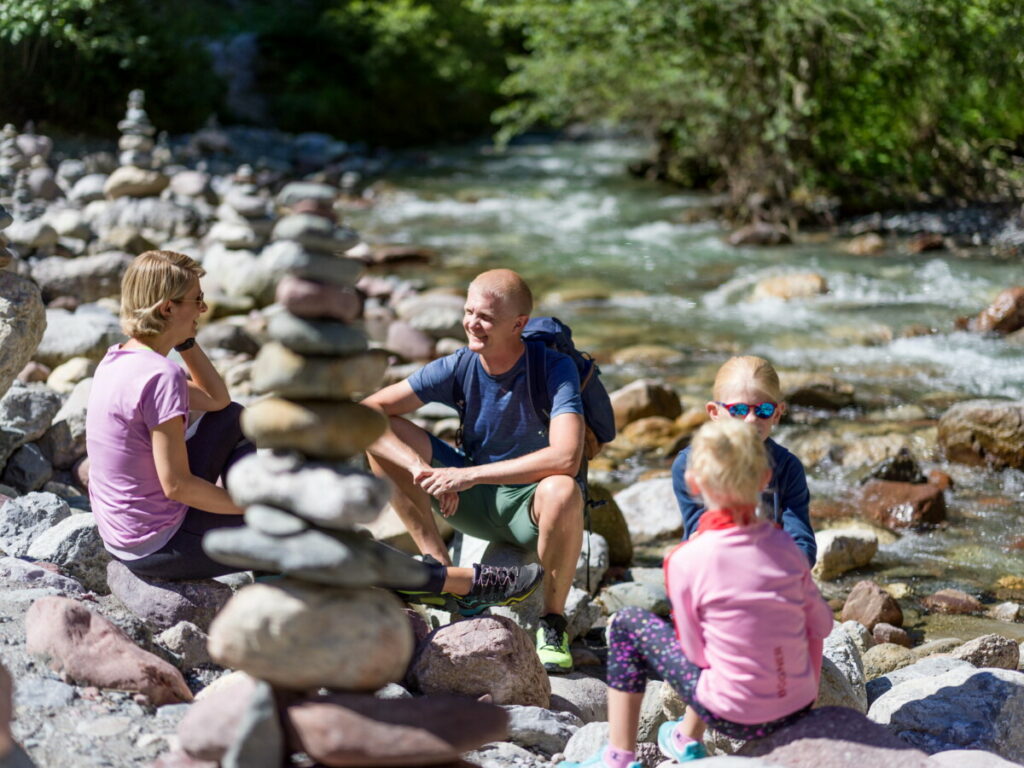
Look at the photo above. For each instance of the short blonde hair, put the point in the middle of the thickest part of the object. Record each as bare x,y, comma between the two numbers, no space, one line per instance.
729,459
508,286
748,368
151,279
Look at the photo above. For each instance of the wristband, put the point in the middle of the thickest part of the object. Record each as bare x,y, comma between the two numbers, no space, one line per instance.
185,345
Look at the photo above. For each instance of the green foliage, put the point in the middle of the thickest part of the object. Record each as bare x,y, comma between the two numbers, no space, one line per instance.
388,71
788,104
71,63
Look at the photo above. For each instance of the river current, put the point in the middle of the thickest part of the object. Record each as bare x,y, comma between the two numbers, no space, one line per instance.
628,262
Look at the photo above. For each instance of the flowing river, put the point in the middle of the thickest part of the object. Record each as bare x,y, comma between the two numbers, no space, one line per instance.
627,262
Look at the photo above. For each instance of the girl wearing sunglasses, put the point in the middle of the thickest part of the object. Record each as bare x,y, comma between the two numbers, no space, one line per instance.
747,388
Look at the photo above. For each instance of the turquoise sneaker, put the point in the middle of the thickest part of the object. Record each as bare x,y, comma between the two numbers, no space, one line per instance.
595,761
693,751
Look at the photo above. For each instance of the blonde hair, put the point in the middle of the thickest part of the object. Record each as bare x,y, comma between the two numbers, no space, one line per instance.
507,286
748,368
151,279
729,459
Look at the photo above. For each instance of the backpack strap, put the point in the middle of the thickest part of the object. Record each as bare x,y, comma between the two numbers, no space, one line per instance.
537,379
462,363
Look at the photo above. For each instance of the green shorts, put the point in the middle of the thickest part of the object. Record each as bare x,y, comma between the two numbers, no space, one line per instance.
489,512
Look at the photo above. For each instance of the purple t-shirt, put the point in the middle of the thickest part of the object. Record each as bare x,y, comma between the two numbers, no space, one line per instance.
132,392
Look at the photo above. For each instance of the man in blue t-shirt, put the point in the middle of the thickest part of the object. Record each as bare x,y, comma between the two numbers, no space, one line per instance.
515,478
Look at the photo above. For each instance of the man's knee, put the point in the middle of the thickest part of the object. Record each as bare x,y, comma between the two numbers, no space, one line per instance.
557,496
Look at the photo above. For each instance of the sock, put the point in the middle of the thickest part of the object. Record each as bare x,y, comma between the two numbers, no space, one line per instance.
555,620
438,573
680,739
617,758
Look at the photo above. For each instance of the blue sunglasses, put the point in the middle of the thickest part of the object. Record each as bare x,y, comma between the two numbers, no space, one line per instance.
740,410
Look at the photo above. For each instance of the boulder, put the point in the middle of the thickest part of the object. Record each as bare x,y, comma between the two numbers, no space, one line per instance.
760,233
27,469
607,520
834,737
843,681
984,432
867,244
485,655
592,562
26,412
1004,315
887,633
869,604
75,545
802,285
541,729
290,257
34,575
25,518
299,636
841,550
64,442
22,323
884,658
964,708
816,390
650,510
990,651
408,342
166,603
642,398
87,278
583,695
188,644
927,667
87,649
952,601
210,726
650,597
87,332
903,505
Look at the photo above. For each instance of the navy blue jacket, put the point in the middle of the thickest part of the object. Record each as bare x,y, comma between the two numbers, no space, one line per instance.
786,496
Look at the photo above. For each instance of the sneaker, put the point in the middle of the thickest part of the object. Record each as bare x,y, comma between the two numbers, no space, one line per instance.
694,750
553,649
594,761
497,585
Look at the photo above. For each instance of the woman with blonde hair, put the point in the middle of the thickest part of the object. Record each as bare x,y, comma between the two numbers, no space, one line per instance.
152,476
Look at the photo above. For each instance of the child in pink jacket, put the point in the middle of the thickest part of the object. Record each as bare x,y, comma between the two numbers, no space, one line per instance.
745,651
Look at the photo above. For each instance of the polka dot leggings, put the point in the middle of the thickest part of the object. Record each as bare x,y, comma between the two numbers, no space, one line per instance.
642,645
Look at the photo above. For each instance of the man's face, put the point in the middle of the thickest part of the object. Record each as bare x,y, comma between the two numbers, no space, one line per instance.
489,324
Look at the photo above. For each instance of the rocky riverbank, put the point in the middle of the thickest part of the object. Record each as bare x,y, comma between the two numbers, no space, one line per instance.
919,672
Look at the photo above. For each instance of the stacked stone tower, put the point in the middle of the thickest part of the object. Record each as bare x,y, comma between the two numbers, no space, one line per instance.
325,624
12,159
135,177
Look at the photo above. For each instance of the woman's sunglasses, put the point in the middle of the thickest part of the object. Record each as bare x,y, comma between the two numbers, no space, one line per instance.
740,410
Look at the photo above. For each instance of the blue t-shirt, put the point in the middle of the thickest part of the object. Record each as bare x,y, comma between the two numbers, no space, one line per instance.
500,421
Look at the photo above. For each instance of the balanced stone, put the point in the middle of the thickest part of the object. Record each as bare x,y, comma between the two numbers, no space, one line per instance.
278,369
306,298
301,636
323,430
330,495
340,559
313,337
289,257
273,521
315,232
295,191
131,181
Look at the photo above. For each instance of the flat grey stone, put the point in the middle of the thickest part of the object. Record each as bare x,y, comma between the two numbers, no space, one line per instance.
316,337
287,256
273,521
539,728
650,597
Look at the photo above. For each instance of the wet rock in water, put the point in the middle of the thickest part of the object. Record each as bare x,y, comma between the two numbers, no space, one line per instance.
902,468
642,398
952,601
990,651
962,708
869,604
902,505
25,518
834,737
330,495
22,322
802,285
75,545
926,241
1004,315
320,430
984,432
842,550
867,244
652,433
887,633
299,636
655,355
940,479
884,658
607,520
813,390
1009,612
165,603
650,510
483,655
86,648
760,233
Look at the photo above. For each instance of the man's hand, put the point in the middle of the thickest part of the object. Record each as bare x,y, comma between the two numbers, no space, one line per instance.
449,503
441,480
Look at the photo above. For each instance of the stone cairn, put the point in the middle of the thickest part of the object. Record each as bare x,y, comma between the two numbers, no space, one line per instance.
12,159
325,624
6,257
136,176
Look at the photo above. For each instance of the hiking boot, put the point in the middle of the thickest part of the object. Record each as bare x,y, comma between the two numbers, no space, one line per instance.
497,585
694,750
596,760
553,648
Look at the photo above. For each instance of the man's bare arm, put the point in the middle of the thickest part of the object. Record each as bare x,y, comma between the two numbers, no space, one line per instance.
561,457
395,400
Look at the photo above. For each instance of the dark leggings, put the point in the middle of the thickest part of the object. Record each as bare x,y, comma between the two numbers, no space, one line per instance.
216,445
642,645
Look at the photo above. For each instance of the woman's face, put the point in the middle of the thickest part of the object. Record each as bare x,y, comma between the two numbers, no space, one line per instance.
185,312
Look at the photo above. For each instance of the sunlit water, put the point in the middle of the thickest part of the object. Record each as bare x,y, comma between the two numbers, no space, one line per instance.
621,261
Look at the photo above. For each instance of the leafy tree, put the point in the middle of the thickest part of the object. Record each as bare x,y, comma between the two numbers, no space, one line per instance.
787,104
